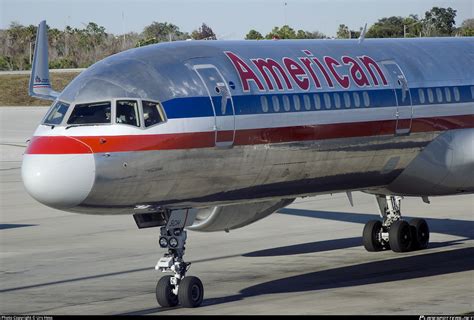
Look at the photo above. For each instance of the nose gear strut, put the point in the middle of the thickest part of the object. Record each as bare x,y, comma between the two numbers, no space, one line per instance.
178,288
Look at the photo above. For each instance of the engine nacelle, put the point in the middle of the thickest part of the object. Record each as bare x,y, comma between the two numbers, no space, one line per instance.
220,218
445,166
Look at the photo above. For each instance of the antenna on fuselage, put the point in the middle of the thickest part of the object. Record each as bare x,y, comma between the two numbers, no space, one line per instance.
362,34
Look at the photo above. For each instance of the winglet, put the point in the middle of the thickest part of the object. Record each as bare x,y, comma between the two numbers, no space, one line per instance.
362,34
40,84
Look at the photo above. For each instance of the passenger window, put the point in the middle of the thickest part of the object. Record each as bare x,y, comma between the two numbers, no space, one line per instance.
276,103
296,101
152,113
127,113
286,103
356,97
421,95
264,102
56,114
439,95
307,102
366,99
347,100
327,101
317,101
457,96
447,93
337,100
90,113
430,95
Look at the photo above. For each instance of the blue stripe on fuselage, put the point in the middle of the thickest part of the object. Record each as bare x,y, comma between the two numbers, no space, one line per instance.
194,107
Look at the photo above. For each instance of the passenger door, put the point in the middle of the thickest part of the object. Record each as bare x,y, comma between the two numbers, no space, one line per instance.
221,102
401,90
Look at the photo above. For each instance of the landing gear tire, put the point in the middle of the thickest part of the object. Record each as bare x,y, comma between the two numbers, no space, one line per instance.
164,293
171,290
190,292
420,234
400,236
371,236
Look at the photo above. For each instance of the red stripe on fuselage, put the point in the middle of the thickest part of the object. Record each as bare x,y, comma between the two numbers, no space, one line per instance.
176,141
57,145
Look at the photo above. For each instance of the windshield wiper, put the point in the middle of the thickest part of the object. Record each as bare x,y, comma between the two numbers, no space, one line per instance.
73,125
50,125
82,125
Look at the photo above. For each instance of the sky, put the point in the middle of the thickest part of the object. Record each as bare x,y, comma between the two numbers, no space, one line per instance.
230,19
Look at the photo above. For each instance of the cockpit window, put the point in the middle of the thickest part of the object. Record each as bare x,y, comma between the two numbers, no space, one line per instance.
91,113
152,113
56,115
127,112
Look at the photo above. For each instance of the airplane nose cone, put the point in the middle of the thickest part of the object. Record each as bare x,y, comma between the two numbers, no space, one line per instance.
60,181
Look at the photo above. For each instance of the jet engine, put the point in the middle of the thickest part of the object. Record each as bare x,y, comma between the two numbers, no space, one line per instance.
445,166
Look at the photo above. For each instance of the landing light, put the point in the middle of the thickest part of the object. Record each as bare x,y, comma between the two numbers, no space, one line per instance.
163,242
173,242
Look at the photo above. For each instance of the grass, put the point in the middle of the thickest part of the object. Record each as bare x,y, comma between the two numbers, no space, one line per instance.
14,88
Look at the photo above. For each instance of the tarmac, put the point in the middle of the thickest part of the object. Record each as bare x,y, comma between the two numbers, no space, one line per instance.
307,258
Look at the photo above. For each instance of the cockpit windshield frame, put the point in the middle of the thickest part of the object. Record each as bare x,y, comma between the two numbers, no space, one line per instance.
139,110
57,104
160,110
142,119
113,113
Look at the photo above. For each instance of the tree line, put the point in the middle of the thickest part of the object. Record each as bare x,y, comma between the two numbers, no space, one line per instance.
81,47
438,22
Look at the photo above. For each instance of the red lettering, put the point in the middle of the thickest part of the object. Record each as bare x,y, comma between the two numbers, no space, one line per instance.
297,73
344,80
370,64
325,73
357,73
271,65
246,74
307,63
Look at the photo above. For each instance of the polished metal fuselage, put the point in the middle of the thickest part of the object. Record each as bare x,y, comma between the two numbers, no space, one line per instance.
200,178
207,176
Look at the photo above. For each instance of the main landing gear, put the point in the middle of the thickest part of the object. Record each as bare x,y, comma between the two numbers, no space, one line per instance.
393,232
178,288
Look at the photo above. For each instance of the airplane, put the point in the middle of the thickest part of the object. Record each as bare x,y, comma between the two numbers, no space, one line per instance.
215,135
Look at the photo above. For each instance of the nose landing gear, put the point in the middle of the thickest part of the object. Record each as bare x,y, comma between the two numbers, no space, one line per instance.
394,233
172,290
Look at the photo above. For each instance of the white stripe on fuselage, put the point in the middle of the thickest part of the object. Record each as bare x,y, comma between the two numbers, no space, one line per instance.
270,120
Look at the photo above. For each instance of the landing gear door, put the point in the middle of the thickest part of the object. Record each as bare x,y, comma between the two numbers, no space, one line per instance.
404,113
222,104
